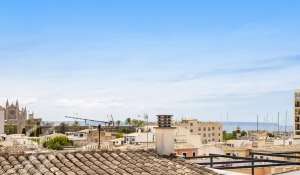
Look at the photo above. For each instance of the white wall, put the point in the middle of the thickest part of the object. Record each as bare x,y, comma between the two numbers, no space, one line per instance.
165,141
1,122
142,137
209,149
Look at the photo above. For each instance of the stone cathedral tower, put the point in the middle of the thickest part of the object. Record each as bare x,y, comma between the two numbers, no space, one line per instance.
15,117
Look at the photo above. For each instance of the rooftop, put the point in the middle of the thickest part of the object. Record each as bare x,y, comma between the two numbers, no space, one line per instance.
278,148
106,163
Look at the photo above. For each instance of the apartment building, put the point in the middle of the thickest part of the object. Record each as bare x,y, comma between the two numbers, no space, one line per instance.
297,115
201,132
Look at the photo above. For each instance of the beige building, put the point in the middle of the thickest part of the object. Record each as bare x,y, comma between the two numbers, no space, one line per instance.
201,132
297,115
93,135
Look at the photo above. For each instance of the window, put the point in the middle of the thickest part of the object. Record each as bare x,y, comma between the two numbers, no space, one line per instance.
297,104
184,154
191,124
191,130
204,129
204,135
194,154
213,128
213,134
208,128
199,129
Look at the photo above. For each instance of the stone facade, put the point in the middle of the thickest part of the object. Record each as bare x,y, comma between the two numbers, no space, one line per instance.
93,136
198,131
33,126
15,116
2,112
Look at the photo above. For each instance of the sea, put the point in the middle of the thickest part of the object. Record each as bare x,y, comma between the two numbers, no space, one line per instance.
231,126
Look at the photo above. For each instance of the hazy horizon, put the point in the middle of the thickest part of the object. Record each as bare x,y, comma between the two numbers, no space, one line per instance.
206,60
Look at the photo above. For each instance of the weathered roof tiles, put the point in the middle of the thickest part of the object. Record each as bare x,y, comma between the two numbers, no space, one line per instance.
94,163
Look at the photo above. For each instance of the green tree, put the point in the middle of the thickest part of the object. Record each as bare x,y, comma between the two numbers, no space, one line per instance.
128,121
10,129
119,135
244,133
24,131
137,123
62,128
229,136
75,124
234,134
57,143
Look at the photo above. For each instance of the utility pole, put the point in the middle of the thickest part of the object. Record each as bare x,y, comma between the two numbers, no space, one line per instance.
99,136
278,126
99,125
285,127
257,123
147,127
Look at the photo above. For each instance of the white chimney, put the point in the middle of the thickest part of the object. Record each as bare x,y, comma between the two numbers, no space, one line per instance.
165,135
1,121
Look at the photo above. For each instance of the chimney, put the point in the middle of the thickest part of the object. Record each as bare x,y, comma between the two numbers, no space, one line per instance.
165,135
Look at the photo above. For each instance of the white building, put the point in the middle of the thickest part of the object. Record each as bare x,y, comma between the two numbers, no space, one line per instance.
1,121
79,138
139,137
117,142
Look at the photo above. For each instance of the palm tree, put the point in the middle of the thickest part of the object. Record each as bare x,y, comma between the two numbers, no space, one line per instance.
118,122
128,121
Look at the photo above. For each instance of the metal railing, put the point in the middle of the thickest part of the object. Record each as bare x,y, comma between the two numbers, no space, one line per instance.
249,162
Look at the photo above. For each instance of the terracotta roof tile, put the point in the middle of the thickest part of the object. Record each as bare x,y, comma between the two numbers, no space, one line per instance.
94,163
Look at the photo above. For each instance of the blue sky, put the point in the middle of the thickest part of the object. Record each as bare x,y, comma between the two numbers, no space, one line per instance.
188,58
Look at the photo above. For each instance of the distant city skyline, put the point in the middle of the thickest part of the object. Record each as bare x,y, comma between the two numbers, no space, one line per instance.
190,59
